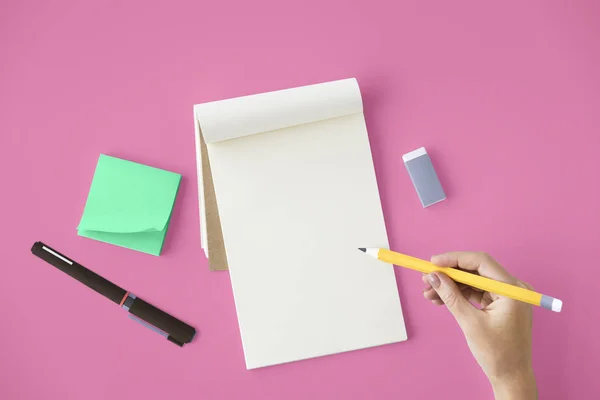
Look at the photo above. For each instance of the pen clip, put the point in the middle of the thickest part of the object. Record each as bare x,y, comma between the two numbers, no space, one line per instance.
149,326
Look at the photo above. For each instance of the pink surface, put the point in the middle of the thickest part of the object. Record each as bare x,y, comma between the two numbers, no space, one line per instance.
504,95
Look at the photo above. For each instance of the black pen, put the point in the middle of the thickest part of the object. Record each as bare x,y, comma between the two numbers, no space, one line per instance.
145,313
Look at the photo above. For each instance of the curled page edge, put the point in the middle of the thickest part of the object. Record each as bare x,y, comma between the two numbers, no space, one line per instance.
211,236
202,210
248,115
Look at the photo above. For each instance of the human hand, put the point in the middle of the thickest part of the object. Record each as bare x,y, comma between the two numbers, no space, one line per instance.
499,333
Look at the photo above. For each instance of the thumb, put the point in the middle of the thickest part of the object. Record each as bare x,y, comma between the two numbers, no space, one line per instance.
451,295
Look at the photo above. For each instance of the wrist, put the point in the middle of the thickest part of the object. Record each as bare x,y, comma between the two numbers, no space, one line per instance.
518,385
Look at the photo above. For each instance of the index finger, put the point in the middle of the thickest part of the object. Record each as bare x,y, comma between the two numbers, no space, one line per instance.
479,262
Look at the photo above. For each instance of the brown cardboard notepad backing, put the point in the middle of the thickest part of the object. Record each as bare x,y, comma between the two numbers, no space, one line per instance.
216,246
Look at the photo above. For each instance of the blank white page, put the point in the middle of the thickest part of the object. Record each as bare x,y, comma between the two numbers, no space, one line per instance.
295,204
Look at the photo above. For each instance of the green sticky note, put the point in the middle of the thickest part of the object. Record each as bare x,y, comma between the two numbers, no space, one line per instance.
129,205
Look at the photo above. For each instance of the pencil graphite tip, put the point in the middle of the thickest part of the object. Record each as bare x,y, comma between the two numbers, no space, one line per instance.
364,250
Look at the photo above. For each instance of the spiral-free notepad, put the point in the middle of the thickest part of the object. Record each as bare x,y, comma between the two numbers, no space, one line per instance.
287,194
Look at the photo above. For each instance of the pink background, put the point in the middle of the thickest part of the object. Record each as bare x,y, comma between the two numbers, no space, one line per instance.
504,95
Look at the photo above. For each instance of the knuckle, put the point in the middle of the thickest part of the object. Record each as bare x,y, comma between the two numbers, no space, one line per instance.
485,256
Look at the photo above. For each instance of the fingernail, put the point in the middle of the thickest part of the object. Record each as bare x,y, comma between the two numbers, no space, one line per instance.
434,280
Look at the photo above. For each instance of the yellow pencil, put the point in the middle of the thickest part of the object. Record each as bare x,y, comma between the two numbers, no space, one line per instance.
476,281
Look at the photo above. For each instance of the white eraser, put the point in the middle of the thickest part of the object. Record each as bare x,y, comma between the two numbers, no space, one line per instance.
556,305
423,176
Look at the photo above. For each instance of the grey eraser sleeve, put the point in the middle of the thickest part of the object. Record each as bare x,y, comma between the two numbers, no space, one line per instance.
423,176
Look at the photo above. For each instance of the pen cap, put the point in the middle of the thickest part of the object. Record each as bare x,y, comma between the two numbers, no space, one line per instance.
79,272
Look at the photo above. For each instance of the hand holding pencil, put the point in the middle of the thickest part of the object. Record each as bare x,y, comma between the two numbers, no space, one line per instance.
499,333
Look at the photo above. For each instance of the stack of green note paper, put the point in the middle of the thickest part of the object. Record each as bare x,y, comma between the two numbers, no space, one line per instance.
129,205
